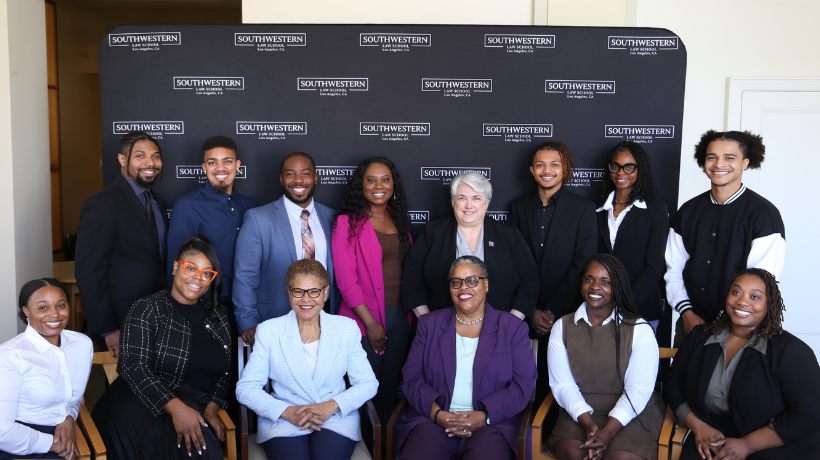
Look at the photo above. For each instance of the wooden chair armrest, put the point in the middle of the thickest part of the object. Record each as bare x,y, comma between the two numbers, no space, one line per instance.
244,429
538,425
665,438
522,431
369,411
92,435
82,444
400,408
226,419
230,435
677,442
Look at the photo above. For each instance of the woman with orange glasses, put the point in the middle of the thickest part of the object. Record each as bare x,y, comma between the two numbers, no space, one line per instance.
174,365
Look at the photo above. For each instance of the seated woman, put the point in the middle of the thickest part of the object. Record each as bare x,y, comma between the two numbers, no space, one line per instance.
175,358
469,375
306,354
609,409
744,386
43,373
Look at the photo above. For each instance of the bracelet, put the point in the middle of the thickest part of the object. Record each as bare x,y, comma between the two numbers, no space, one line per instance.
435,417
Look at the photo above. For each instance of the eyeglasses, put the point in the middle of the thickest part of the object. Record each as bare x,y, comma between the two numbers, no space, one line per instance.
312,292
628,168
192,270
472,281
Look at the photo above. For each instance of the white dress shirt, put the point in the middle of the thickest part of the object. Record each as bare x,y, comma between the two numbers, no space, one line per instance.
615,222
319,242
40,384
639,381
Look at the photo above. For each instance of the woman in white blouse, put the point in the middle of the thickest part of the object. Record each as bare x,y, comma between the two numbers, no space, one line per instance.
608,405
43,373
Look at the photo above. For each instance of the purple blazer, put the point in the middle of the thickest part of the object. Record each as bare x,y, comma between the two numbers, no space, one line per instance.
503,371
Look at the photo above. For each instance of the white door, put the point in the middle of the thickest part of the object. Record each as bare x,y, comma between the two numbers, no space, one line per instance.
789,121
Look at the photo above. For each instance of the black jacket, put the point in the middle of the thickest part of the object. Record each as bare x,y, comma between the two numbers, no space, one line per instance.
512,271
780,386
570,241
155,348
640,245
118,255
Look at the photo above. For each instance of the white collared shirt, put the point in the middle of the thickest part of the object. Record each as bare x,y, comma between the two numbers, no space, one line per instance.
615,222
295,216
40,384
639,381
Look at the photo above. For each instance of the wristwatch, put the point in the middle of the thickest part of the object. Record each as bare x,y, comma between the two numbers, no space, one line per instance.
487,420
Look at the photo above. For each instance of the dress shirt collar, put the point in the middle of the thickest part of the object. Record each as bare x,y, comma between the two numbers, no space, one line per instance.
608,206
136,188
295,211
40,343
553,199
731,198
581,314
211,191
757,342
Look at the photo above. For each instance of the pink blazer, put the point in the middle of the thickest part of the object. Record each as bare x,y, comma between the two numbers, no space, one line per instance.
357,264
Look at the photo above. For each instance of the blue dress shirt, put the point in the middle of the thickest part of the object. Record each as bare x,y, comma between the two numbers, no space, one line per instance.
216,216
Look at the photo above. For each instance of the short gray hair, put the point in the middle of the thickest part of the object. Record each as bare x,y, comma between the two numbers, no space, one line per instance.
472,260
476,181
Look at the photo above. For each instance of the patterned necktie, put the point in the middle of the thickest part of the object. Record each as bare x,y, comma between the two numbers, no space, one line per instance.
308,249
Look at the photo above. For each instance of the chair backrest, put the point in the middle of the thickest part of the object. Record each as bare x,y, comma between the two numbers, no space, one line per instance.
667,352
109,364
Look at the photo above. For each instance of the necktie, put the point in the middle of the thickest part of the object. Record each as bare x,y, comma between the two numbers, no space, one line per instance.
149,209
308,249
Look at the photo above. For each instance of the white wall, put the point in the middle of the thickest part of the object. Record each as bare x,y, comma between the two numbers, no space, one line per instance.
26,206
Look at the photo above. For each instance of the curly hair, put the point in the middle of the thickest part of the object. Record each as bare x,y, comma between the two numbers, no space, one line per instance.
644,185
625,309
772,323
567,165
216,142
30,288
751,145
355,206
307,267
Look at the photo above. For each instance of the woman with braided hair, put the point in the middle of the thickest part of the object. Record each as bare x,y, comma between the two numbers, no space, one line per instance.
609,409
744,386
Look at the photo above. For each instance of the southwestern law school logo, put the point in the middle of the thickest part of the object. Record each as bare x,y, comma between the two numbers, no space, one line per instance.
644,134
335,175
519,43
457,87
145,41
210,86
419,217
272,130
333,86
396,42
642,46
585,177
270,41
523,132
498,216
393,131
156,129
579,89
196,172
447,174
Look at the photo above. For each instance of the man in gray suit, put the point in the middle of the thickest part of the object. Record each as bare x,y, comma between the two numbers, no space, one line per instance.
273,237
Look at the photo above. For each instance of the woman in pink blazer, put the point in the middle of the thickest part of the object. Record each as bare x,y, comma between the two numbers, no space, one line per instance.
371,237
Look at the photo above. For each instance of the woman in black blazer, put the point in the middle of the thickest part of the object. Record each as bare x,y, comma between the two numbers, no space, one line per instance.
175,353
633,225
744,386
503,250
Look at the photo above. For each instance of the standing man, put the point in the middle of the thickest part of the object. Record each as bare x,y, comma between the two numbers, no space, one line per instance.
121,241
560,229
274,236
214,211
720,232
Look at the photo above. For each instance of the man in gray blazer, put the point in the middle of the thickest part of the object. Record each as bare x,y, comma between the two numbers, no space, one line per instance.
274,236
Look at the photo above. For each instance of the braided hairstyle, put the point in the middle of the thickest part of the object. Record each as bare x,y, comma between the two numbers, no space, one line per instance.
644,185
625,310
198,244
772,323
355,206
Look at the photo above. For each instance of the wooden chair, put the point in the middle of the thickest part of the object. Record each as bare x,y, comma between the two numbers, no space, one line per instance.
369,448
109,365
542,451
522,430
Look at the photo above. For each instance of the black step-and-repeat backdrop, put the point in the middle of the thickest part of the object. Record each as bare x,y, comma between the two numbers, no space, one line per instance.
437,100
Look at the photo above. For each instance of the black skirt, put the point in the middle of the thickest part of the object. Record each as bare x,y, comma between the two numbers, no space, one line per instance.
131,432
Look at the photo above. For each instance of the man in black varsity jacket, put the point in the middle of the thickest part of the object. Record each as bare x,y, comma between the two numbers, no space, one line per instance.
720,232
560,229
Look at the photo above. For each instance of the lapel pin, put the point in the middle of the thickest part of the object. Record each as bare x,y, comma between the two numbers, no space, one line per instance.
492,245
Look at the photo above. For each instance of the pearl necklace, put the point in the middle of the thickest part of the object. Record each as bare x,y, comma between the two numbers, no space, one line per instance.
471,322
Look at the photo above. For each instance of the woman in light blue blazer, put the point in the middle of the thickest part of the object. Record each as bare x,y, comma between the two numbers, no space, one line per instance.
306,354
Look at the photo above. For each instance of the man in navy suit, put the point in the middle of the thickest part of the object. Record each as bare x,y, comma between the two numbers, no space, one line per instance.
274,236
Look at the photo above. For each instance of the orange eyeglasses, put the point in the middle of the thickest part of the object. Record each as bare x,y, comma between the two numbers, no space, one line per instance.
192,270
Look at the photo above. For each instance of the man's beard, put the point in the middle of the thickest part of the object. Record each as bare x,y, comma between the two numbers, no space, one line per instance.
300,201
222,188
139,180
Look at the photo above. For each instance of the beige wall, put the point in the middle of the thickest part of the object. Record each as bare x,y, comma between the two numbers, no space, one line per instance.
80,28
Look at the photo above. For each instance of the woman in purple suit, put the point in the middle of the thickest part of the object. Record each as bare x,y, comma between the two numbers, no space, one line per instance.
469,375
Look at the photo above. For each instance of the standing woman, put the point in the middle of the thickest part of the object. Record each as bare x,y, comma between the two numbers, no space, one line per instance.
633,225
43,373
371,237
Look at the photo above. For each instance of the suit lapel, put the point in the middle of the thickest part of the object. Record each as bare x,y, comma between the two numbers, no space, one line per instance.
327,351
447,347
280,215
603,228
630,219
749,354
138,208
486,345
711,355
374,253
291,343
